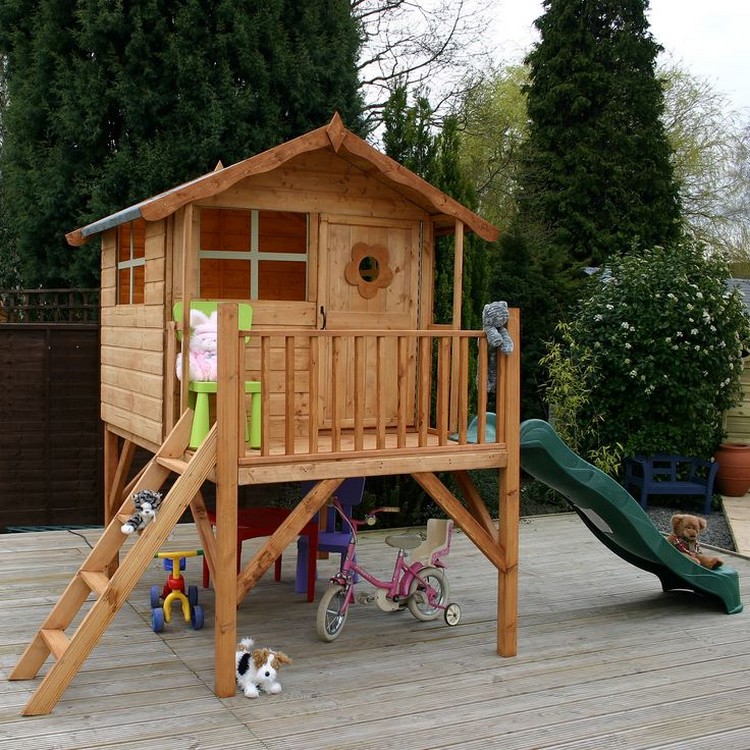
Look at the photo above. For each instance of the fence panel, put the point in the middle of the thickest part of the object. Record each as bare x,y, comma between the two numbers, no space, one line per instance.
50,430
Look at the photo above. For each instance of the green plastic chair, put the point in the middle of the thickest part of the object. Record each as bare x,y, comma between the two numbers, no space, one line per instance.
200,390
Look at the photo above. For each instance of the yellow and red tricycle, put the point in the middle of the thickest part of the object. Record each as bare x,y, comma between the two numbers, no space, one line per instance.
174,591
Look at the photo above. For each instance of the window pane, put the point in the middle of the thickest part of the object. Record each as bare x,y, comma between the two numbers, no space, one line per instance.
285,280
139,284
139,238
123,242
282,232
225,279
123,286
225,230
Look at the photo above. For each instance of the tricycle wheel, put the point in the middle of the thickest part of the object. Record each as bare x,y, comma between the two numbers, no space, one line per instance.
196,617
192,595
157,619
155,597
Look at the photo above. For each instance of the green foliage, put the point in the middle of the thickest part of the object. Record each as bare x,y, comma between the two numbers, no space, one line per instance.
657,347
109,103
568,395
494,125
596,171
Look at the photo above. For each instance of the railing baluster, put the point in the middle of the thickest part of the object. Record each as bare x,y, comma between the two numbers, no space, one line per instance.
336,379
314,374
265,395
423,388
463,389
403,389
443,406
359,392
289,416
482,365
380,385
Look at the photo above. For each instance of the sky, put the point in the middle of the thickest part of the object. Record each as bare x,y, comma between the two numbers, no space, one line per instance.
709,38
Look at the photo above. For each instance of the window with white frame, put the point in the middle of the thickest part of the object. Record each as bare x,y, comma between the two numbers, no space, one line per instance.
253,254
131,262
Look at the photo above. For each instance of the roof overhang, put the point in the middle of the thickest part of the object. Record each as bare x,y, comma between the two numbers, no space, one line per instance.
446,211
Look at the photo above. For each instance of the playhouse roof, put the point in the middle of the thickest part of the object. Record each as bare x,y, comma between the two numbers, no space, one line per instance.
334,137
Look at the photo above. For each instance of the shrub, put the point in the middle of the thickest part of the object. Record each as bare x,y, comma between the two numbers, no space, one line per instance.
653,356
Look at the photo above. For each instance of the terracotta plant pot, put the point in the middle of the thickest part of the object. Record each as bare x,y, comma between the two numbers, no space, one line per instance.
733,476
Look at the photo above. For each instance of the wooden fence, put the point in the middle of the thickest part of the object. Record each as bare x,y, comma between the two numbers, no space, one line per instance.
50,431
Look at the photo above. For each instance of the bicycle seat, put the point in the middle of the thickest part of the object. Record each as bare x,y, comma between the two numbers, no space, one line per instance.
403,541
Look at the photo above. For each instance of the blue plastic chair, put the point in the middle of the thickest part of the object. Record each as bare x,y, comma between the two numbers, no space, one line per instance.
332,537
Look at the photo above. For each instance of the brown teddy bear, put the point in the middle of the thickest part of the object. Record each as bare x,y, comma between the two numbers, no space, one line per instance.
685,532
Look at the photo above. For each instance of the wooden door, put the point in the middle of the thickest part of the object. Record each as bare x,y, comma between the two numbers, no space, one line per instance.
369,281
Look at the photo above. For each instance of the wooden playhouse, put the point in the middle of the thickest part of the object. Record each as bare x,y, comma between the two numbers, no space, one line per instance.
332,245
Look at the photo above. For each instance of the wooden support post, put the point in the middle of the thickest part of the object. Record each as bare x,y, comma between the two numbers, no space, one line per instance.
116,468
458,273
509,497
228,450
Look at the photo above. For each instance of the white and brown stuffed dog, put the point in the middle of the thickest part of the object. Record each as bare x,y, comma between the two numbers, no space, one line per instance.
257,668
686,530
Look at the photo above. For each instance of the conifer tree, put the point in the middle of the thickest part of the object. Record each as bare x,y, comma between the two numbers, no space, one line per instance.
109,103
597,174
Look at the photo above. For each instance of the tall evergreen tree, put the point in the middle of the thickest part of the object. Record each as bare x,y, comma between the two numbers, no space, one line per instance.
597,173
109,103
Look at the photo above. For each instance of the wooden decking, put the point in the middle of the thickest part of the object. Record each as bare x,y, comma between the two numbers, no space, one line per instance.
605,659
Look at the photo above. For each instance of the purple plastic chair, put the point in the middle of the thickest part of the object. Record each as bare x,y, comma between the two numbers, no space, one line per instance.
331,538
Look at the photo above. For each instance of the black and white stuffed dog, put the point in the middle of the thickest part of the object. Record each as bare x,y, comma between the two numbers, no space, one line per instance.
146,503
257,668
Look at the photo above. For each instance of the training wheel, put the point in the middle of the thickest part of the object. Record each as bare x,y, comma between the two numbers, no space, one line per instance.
452,614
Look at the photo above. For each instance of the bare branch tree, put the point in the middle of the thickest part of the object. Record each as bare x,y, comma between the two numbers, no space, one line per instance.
711,150
434,46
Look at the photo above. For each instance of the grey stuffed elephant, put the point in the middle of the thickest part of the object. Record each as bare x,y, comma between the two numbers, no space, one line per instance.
494,319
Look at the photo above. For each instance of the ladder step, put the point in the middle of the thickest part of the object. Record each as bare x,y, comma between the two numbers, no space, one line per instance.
56,640
97,582
175,465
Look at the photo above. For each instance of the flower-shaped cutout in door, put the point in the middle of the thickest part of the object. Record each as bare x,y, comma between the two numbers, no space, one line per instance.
368,269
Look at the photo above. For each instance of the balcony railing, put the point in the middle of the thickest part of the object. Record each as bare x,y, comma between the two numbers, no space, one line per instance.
346,393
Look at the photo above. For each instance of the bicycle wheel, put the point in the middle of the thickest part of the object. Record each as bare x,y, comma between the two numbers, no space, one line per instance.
332,612
418,603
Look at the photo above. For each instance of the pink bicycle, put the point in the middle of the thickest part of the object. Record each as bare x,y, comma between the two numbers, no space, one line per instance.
421,585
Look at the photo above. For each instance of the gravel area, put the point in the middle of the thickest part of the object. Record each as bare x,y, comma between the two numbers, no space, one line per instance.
717,532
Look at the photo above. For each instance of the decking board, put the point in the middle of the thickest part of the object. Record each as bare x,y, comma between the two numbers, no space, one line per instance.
605,659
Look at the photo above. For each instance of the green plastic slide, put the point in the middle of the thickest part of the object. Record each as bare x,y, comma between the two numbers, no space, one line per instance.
617,519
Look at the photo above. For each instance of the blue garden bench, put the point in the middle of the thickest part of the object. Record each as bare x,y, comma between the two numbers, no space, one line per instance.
669,474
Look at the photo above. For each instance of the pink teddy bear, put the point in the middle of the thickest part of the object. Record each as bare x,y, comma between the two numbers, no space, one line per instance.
202,354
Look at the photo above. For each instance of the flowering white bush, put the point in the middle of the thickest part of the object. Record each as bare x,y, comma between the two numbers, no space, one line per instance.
656,355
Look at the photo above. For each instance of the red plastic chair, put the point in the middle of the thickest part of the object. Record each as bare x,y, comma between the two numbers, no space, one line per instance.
256,522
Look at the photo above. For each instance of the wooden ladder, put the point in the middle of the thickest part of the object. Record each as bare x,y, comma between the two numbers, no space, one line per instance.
112,592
